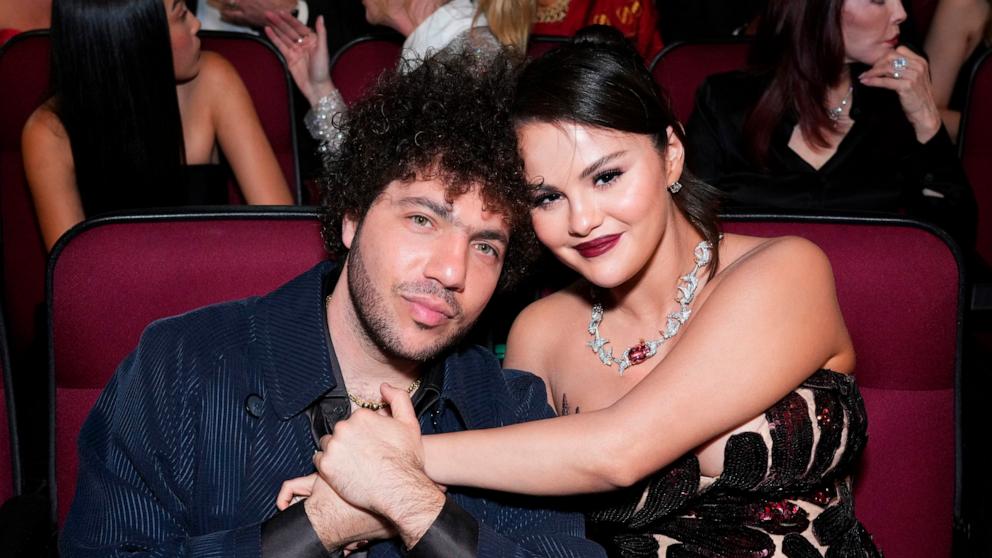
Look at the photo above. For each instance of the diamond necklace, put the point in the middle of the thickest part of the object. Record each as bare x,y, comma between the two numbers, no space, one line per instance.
838,111
685,293
368,403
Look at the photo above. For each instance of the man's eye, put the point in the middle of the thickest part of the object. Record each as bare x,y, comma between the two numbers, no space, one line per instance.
420,221
487,249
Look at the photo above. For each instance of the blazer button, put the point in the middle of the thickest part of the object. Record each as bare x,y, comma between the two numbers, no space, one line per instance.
254,405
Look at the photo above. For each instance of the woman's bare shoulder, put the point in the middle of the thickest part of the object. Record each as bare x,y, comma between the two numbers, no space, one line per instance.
216,74
776,269
44,134
789,256
44,121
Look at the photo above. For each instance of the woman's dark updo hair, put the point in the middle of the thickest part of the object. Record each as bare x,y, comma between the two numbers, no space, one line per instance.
599,80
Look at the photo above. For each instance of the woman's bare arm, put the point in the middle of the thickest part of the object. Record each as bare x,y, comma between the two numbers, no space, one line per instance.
51,175
240,134
768,325
956,30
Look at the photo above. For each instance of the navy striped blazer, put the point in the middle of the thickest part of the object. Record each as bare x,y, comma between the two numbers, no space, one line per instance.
178,458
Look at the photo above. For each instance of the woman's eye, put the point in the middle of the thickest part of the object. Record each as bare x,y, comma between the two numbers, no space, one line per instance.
607,177
545,198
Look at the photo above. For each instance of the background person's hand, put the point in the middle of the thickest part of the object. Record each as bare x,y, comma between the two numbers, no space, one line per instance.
913,87
251,13
305,53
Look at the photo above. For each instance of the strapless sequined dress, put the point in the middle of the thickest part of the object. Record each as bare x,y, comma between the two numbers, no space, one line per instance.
785,489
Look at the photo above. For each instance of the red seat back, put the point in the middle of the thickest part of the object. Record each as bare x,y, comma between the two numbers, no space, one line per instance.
537,45
10,464
109,278
24,64
976,149
263,70
681,68
900,290
358,64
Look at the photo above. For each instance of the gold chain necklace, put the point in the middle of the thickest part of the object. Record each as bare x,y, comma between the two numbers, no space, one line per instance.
552,13
376,405
368,403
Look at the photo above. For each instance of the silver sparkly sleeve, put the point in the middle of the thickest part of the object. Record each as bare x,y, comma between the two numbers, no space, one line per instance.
320,121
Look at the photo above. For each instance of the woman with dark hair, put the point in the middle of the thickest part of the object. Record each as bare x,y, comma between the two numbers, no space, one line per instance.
833,114
139,118
705,376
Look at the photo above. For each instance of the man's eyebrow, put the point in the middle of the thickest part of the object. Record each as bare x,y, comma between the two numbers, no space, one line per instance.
492,234
600,163
445,213
441,210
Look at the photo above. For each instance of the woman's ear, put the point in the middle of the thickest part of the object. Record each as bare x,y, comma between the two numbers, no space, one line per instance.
674,156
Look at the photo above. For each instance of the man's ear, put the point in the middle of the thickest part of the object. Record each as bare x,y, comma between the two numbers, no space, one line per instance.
349,226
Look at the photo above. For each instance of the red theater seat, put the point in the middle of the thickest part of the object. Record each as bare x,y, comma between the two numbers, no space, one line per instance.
681,68
900,289
537,45
264,72
110,277
24,84
357,65
10,464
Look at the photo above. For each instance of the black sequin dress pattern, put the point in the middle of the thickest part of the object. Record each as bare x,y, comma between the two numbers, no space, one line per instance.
790,498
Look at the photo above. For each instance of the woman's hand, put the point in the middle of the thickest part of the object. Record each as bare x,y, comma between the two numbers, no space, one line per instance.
305,53
908,74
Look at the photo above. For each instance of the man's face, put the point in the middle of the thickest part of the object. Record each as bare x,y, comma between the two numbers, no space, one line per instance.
420,269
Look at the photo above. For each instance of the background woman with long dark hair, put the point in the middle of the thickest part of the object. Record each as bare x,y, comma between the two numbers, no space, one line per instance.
833,114
139,118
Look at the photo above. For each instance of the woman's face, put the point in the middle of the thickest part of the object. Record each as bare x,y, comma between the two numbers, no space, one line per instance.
600,200
185,44
870,28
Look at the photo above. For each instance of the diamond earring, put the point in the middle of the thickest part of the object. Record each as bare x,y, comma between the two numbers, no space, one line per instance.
675,187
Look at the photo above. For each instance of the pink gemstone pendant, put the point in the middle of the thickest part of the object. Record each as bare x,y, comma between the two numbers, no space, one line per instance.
638,353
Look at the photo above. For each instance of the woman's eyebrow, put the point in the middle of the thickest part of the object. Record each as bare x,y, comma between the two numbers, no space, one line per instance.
600,163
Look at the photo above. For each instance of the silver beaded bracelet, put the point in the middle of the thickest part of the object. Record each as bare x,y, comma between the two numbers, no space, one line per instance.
320,121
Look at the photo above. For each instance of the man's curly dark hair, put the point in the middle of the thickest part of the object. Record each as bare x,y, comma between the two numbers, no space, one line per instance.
449,118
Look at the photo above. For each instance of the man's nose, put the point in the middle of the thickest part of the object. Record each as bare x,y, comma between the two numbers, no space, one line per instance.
448,261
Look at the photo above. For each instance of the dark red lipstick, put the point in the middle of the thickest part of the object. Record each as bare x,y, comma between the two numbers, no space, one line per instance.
598,246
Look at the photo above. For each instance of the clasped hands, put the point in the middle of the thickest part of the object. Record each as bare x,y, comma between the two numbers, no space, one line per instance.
370,482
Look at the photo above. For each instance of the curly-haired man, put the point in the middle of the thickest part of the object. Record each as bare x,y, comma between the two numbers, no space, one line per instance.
426,209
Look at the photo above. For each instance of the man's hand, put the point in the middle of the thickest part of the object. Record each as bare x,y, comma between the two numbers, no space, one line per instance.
376,462
337,523
251,13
